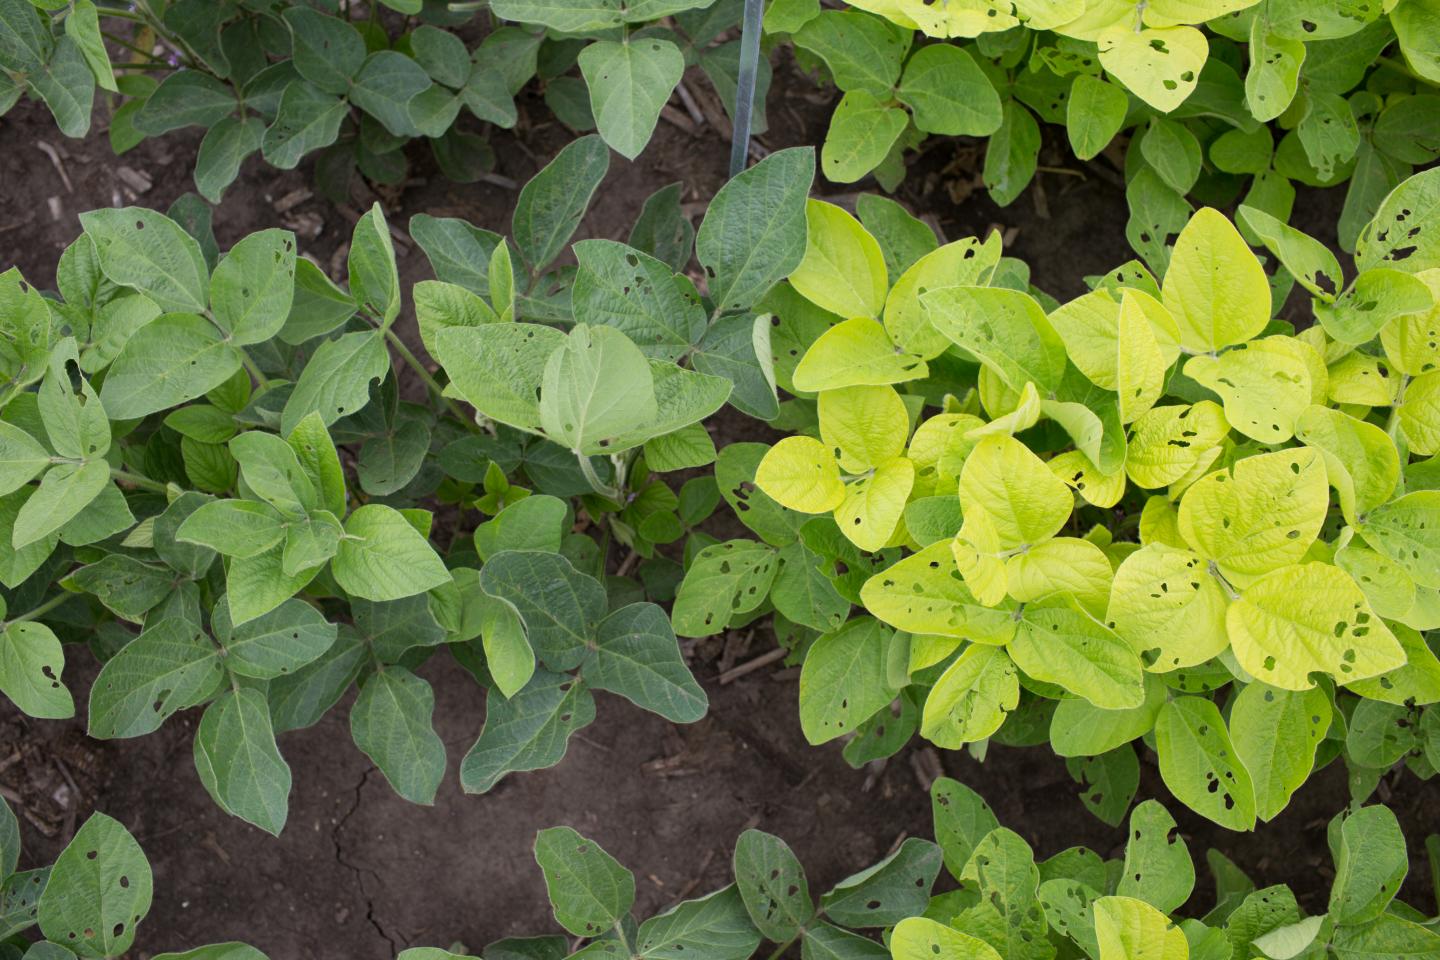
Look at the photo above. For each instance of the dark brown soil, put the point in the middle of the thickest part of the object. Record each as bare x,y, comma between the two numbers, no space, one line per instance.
359,872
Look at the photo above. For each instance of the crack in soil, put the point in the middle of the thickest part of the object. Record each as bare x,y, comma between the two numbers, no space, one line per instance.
360,872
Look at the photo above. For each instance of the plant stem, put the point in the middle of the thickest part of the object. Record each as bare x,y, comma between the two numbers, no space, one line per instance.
120,13
135,480
261,380
745,85
43,609
596,484
149,57
780,950
431,384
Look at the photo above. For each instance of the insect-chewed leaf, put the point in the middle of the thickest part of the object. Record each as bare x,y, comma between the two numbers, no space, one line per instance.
723,580
550,206
1167,443
1402,233
1064,645
1360,458
845,679
971,699
253,286
170,666
1199,765
1167,605
716,924
967,261
919,938
31,662
1276,733
1308,260
336,381
800,473
1158,868
1159,65
151,253
636,655
589,890
888,892
629,83
596,388
962,819
1407,531
1259,517
1006,329
855,353
98,890
275,644
173,359
528,731
1309,618
619,286
925,594
1265,385
772,885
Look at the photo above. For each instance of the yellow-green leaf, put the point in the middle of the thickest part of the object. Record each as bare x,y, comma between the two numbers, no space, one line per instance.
854,353
1264,384
1006,329
1419,414
925,594
863,426
1360,458
1064,566
1130,929
1024,500
874,504
1309,618
799,473
1262,516
970,700
1064,645
843,270
1160,66
1215,287
1168,607
967,262
1166,442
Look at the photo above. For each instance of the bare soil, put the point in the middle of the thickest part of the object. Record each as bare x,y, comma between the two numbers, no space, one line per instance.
360,873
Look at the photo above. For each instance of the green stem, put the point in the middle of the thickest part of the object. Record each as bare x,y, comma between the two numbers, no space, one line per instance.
261,380
120,14
43,609
780,950
135,480
593,478
149,57
431,384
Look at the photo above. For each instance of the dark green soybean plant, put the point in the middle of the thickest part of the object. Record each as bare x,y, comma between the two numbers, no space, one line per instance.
354,83
213,478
